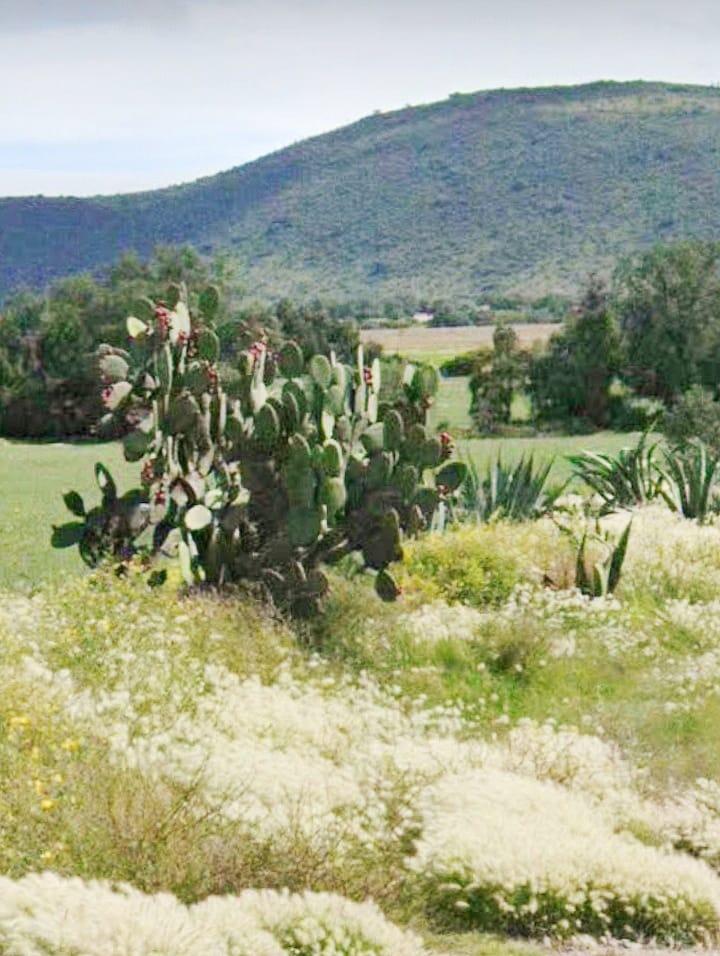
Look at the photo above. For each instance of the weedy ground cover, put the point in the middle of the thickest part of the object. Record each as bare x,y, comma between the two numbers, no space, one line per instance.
493,753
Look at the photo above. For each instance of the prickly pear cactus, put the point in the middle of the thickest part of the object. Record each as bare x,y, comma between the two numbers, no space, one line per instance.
306,463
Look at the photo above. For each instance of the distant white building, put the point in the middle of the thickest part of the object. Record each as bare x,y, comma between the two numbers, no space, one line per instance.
422,318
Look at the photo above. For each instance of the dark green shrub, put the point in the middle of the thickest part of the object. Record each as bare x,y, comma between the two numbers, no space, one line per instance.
633,413
695,415
466,363
61,409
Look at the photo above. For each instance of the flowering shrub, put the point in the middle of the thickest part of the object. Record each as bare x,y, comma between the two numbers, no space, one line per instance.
50,915
141,742
526,857
669,556
459,567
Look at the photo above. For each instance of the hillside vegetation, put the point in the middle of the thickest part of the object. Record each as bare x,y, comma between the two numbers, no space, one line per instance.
521,191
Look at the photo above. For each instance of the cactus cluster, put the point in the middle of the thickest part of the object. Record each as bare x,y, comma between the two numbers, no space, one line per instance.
302,463
111,529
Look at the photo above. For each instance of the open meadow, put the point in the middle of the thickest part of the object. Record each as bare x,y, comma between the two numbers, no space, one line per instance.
493,754
420,343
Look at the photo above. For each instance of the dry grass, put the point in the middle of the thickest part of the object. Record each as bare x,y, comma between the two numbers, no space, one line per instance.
414,341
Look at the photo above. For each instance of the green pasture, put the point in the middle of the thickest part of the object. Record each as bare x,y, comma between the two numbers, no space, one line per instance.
33,478
451,410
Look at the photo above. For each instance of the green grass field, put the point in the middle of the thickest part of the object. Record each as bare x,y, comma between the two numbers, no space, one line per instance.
33,478
452,411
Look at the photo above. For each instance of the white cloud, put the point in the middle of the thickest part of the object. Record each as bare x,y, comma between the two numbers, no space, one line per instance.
242,76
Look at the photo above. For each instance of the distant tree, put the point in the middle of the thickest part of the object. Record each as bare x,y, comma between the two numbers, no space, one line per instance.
497,376
571,378
315,331
668,305
48,374
695,415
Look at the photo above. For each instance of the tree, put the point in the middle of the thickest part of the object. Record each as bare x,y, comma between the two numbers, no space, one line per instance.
668,304
497,376
695,415
315,331
572,377
48,371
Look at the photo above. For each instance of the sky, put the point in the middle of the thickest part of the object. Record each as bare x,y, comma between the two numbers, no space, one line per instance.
120,95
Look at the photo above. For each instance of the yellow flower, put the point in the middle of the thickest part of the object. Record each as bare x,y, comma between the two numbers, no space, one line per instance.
48,856
39,787
70,744
47,804
19,720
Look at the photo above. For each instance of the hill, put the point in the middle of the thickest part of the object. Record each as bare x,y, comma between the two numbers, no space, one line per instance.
506,191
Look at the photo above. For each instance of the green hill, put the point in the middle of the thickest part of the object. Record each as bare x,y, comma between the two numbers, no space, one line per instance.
511,190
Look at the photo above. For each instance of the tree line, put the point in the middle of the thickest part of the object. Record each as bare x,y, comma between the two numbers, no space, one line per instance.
647,341
49,374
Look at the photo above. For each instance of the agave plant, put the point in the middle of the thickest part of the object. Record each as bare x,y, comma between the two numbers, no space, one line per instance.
690,476
632,477
604,576
516,493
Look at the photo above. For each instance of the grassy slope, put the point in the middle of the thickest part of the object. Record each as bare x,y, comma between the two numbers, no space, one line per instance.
525,189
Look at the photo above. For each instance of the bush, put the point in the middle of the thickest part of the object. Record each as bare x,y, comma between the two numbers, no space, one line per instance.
461,566
632,413
464,364
695,415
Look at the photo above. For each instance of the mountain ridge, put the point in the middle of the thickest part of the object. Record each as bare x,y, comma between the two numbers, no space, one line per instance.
522,190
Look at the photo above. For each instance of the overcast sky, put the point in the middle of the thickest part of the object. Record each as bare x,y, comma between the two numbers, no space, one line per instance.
114,95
